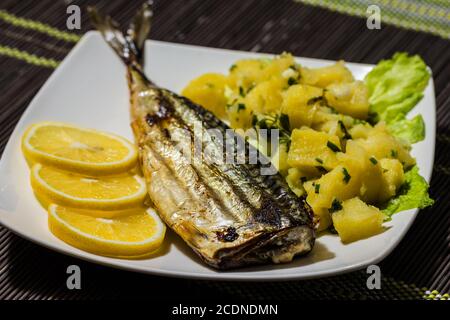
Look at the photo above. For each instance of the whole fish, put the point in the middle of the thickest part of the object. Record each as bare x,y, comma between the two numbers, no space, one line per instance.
228,213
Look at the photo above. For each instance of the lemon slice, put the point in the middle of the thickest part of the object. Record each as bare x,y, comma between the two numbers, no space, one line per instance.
108,214
80,191
132,236
77,149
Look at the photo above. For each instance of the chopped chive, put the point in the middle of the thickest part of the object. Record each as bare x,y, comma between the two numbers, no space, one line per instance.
394,153
314,100
233,66
332,229
321,169
333,147
265,123
319,160
262,124
287,142
347,135
254,120
284,122
317,188
372,118
292,81
347,177
359,121
251,87
241,92
373,160
241,106
333,110
336,205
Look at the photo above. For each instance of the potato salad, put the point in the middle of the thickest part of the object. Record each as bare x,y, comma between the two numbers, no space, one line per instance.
344,144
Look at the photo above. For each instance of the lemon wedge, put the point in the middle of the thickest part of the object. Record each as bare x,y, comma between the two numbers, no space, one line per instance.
135,235
52,185
77,149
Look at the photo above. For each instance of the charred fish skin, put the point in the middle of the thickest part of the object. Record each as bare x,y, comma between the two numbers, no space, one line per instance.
228,213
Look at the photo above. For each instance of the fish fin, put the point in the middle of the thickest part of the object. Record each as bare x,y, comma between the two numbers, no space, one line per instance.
128,46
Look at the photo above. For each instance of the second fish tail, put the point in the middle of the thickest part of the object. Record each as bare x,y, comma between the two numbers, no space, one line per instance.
129,46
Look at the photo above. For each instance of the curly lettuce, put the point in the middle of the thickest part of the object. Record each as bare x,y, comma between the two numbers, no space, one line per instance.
409,130
395,86
412,194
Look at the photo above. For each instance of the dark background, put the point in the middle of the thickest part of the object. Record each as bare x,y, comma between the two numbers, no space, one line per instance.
28,271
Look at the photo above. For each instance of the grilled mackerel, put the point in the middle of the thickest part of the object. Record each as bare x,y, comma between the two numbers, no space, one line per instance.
229,214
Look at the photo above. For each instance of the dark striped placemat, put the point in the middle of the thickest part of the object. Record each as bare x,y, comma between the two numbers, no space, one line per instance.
430,16
34,38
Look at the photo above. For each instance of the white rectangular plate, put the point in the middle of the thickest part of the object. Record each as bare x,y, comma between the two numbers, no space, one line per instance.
89,89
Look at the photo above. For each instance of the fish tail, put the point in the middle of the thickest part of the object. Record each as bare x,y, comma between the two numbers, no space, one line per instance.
128,46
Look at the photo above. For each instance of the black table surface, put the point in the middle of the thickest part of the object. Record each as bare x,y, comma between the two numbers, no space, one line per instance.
420,262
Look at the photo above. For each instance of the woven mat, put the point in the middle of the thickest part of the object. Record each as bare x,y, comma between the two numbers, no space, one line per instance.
431,16
33,41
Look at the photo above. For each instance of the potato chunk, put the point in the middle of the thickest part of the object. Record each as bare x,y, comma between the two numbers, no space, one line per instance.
265,97
349,98
392,178
208,91
341,183
239,115
381,144
324,218
296,104
279,159
321,214
295,180
337,127
357,220
312,150
245,74
361,131
323,77
369,170
279,66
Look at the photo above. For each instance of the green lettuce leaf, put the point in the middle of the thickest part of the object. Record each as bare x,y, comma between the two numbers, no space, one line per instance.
400,109
412,194
396,85
410,131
